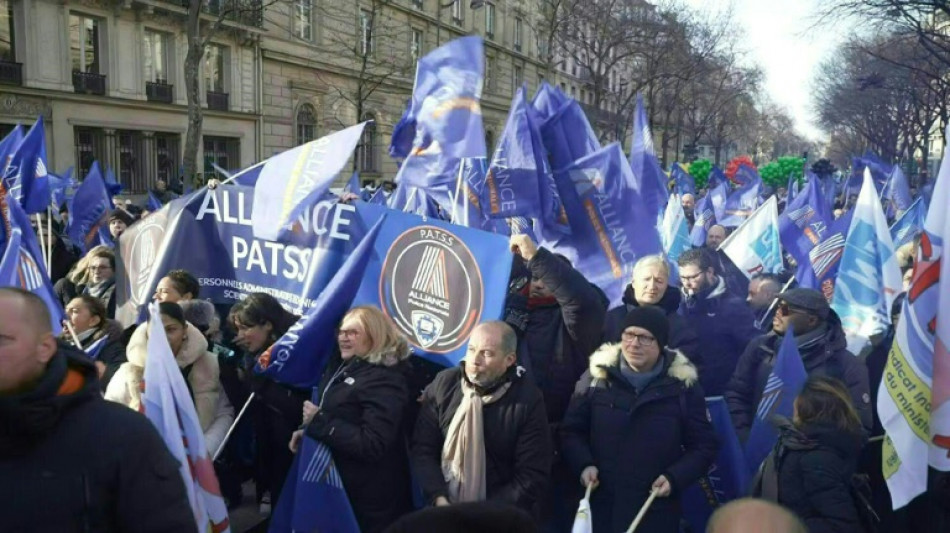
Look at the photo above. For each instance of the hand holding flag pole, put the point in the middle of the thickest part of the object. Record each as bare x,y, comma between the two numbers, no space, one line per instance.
643,511
72,333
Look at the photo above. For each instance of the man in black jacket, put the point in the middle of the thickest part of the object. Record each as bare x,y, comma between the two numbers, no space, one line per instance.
821,344
70,460
482,433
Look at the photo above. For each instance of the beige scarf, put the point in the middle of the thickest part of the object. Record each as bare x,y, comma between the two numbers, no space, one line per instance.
463,454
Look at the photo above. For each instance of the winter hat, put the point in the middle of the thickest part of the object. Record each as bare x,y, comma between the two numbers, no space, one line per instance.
123,215
201,314
652,319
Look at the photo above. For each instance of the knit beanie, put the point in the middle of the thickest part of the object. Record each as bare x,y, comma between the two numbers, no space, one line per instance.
123,215
652,319
201,314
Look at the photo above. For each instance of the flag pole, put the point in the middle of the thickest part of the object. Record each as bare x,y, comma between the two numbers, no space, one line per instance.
458,187
49,232
227,435
590,487
72,333
39,233
643,511
758,323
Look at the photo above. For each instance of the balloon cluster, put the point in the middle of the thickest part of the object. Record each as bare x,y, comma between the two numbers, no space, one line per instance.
777,173
700,170
733,166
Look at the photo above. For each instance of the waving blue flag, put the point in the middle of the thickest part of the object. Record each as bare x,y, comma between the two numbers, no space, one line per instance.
60,187
650,179
897,191
547,100
717,199
112,184
403,133
8,146
447,113
869,278
313,498
705,218
821,270
25,177
743,201
409,199
297,359
379,197
684,183
716,176
29,272
607,235
778,398
878,168
291,181
910,224
567,135
463,204
353,185
805,221
89,212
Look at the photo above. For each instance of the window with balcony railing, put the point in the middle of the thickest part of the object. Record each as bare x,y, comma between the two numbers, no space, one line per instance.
216,77
155,63
10,71
85,46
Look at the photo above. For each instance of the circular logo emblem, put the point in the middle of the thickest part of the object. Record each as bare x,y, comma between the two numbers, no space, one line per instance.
431,287
142,253
29,275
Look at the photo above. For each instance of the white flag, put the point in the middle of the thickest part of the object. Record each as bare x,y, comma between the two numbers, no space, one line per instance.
755,247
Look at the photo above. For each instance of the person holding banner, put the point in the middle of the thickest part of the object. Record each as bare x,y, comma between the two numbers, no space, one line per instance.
637,423
87,316
823,348
363,417
69,460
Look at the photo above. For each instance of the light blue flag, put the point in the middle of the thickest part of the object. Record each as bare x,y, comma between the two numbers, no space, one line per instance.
705,218
716,176
674,236
868,278
778,399
447,113
896,192
717,198
910,223
754,246
25,176
651,180
293,180
515,178
298,358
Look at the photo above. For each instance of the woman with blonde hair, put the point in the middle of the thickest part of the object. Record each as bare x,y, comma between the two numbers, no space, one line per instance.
362,416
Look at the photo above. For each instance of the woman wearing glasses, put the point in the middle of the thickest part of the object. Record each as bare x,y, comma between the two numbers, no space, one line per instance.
362,417
637,423
100,282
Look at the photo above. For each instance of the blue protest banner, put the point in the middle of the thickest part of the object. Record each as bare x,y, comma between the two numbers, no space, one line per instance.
435,280
89,212
25,176
804,222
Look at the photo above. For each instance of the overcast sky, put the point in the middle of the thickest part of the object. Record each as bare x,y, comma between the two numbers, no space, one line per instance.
775,33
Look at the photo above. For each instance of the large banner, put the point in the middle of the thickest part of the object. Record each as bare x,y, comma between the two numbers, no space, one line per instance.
209,234
435,280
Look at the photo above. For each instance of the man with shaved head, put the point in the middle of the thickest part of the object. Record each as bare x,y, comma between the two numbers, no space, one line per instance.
748,515
70,460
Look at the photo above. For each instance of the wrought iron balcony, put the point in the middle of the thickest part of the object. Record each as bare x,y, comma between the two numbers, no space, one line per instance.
159,91
11,73
89,82
218,101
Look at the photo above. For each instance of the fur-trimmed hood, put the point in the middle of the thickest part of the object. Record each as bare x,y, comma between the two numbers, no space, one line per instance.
192,349
678,366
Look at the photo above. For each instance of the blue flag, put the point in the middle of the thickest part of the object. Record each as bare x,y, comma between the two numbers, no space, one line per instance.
463,203
297,359
313,498
717,199
25,176
674,235
651,181
379,197
829,188
897,192
684,183
727,478
446,110
607,235
878,168
8,146
716,176
60,187
112,184
515,177
89,213
291,181
805,221
403,133
23,258
567,135
910,223
153,203
353,185
743,201
778,399
792,190
821,270
547,100
704,218
409,199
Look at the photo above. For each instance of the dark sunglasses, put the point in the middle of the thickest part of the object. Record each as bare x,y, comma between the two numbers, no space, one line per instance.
787,310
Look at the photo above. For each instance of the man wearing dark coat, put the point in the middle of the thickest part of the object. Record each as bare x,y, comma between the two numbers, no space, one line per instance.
70,460
637,423
823,349
482,433
721,319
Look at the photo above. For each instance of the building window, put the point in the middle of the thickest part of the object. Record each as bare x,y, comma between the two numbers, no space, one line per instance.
490,20
306,124
366,149
214,69
517,78
418,4
366,33
137,157
457,12
84,44
156,57
303,19
222,151
490,142
489,73
519,31
415,44
7,34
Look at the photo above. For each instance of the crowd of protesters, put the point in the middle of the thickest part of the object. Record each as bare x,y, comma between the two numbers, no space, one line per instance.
562,394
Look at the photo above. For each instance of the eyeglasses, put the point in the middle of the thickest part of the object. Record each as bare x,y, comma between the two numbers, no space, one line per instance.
787,310
642,340
348,333
95,268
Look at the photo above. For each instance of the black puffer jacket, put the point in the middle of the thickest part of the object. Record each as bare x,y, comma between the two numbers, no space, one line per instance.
73,462
683,337
826,356
633,438
814,466
560,337
517,439
362,418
